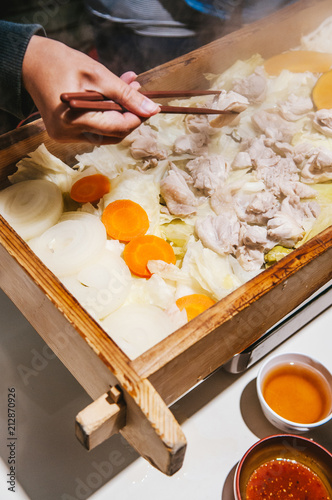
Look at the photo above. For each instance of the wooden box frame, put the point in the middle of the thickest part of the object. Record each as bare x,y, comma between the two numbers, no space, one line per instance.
132,396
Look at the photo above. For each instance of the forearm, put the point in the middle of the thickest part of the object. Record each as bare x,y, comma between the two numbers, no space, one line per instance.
14,39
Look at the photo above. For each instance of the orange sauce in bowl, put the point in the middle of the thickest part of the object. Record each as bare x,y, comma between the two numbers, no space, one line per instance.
298,393
281,479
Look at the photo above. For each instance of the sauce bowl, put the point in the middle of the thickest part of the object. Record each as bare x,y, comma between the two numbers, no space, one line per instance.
295,392
288,448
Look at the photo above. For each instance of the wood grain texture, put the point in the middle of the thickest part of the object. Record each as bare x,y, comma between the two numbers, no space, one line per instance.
268,36
231,325
175,365
99,421
87,351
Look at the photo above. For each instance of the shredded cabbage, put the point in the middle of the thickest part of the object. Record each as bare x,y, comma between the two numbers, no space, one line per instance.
213,272
41,164
324,219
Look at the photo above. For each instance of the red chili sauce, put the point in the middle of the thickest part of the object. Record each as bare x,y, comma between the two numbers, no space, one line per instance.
285,479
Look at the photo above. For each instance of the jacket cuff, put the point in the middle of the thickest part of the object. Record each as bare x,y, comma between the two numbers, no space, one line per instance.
14,39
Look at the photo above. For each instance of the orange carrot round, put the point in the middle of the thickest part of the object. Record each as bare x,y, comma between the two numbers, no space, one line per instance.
90,188
194,304
322,92
124,220
144,248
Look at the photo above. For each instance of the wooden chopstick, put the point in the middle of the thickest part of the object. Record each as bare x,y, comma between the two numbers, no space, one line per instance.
94,101
96,96
113,106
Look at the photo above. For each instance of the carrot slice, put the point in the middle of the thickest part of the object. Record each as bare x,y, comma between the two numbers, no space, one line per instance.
124,220
194,304
322,92
141,249
90,188
299,61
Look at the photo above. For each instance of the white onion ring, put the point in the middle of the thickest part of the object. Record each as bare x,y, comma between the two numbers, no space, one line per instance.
103,286
71,244
31,207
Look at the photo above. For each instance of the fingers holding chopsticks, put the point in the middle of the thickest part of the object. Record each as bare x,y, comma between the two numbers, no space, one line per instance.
100,127
51,68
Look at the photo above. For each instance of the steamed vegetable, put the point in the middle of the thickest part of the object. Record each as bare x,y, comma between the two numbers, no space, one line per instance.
276,254
299,61
41,164
137,327
142,188
103,286
71,244
124,220
194,304
90,188
31,207
141,249
322,92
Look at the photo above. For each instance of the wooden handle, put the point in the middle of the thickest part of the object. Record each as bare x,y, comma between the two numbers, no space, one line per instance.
101,419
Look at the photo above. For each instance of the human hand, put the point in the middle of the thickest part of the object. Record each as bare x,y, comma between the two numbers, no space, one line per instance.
51,68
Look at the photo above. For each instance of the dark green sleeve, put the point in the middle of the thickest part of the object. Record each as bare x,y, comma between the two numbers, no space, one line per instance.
14,39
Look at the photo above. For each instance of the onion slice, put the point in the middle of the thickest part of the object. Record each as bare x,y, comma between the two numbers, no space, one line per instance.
31,207
101,287
137,327
71,244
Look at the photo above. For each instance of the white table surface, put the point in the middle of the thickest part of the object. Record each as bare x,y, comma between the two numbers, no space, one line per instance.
221,419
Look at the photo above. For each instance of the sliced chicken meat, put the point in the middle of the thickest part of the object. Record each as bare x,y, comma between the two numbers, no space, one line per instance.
208,173
253,87
219,233
179,198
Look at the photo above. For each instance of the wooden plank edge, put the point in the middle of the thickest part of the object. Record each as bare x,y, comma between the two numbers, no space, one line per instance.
150,426
214,327
240,44
100,420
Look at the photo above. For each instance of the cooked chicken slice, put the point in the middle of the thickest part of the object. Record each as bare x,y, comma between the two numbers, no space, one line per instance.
285,229
250,259
273,126
255,237
145,145
277,176
295,108
231,101
180,200
260,208
317,167
253,87
322,121
253,243
208,172
228,101
220,233
280,148
260,154
300,210
194,144
241,160
199,124
297,189
222,202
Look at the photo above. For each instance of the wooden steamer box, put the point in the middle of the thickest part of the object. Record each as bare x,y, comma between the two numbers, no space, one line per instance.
132,396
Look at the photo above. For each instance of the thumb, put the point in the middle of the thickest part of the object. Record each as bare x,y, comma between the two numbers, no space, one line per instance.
132,100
